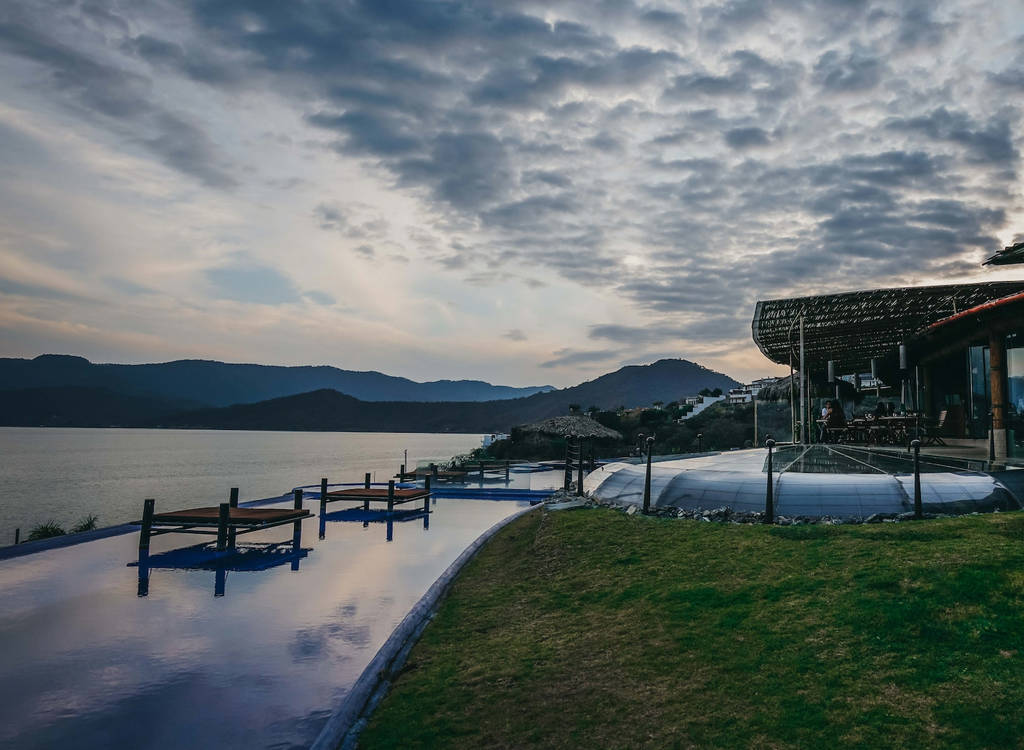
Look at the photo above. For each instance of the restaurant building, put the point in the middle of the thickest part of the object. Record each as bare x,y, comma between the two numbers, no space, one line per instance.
953,353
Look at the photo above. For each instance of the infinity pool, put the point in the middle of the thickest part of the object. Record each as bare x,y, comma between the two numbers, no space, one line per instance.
256,652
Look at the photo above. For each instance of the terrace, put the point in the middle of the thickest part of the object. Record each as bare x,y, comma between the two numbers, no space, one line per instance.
949,359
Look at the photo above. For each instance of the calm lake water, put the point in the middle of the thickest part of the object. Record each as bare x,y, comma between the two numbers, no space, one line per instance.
64,474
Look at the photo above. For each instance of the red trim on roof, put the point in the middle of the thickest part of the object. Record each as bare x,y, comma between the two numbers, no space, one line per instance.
984,307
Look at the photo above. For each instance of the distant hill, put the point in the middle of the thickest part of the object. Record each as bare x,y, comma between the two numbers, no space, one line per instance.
209,383
75,406
328,409
640,385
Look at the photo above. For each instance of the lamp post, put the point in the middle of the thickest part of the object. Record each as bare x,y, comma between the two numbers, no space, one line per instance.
769,493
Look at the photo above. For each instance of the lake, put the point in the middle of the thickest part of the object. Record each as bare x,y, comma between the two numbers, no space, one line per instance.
64,474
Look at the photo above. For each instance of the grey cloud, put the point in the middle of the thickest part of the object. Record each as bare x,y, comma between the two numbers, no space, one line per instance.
741,138
636,335
547,177
366,251
857,71
988,142
569,357
1012,76
514,334
117,99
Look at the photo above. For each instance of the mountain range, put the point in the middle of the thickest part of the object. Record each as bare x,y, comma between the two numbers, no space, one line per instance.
198,382
97,405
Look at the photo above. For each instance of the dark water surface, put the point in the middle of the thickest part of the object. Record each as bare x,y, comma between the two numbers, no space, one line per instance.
235,657
63,474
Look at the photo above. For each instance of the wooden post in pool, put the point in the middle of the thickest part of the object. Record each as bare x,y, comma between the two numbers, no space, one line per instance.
426,500
391,495
297,528
143,589
17,535
323,506
481,472
401,474
233,502
147,522
222,526
506,470
366,486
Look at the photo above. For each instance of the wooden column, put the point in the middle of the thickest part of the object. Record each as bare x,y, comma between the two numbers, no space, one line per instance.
233,503
148,506
223,516
997,376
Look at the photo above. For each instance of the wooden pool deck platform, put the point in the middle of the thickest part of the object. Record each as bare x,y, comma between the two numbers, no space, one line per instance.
366,494
226,520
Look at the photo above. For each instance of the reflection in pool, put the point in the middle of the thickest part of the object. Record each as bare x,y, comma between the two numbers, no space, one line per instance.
86,662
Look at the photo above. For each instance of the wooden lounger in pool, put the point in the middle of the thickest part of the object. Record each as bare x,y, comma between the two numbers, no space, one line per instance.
236,516
393,495
226,520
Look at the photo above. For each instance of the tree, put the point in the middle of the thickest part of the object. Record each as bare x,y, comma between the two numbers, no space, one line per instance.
657,404
717,392
574,408
704,392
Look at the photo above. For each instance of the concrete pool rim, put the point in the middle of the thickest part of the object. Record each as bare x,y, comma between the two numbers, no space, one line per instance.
348,720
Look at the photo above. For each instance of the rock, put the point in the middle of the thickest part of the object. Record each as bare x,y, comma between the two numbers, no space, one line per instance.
631,510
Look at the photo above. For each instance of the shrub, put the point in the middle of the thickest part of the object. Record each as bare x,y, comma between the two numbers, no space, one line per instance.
86,524
45,531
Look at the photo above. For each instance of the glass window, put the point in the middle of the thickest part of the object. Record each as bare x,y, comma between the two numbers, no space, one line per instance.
1015,389
979,402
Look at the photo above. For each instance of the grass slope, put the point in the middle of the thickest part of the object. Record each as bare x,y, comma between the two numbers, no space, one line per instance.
594,629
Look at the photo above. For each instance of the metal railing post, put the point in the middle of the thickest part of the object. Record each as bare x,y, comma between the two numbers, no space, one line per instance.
647,481
916,445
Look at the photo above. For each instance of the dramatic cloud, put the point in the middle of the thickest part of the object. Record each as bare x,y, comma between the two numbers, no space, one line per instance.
636,174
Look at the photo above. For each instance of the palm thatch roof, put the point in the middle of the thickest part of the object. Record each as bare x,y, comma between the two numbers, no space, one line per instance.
1006,256
853,327
573,424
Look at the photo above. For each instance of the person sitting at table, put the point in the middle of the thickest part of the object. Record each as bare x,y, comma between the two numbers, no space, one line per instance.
823,421
835,419
880,410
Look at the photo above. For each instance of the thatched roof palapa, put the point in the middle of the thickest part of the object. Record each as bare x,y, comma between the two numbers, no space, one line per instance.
572,424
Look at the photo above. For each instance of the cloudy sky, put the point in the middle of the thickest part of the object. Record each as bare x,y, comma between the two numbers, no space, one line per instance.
524,192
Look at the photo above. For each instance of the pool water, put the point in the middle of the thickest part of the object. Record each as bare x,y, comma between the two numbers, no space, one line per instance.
255,650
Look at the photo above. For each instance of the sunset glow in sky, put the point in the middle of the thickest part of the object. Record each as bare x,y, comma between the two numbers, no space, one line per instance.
522,192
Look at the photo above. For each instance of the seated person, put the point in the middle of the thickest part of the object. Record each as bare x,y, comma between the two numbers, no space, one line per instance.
836,418
822,422
881,410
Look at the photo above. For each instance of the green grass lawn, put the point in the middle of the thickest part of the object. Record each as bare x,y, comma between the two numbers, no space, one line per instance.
593,629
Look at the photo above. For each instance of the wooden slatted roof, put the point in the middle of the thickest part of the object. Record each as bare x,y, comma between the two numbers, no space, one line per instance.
853,327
